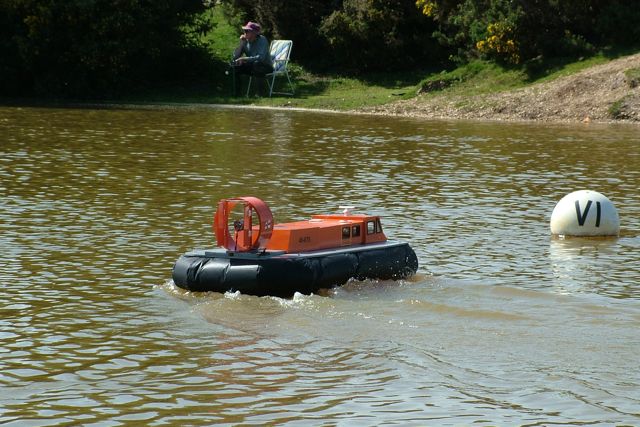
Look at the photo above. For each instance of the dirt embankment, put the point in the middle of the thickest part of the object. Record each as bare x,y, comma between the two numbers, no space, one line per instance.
603,93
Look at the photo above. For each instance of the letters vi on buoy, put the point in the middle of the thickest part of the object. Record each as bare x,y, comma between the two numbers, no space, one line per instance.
585,213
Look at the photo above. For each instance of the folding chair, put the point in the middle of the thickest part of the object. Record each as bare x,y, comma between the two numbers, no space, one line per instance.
280,51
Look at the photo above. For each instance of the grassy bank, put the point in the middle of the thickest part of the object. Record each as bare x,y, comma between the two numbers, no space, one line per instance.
340,92
334,91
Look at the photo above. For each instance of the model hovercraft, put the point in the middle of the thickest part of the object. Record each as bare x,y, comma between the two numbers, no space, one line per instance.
257,257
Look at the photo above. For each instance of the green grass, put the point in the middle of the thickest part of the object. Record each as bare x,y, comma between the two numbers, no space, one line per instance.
616,109
632,76
474,78
342,92
561,67
311,91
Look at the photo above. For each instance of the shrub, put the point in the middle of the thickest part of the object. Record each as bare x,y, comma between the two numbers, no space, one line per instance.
379,35
514,31
500,44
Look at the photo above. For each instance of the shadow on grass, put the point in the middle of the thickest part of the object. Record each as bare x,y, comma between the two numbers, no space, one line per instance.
399,78
306,85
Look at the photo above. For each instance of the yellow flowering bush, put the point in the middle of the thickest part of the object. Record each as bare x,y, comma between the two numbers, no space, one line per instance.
499,43
427,7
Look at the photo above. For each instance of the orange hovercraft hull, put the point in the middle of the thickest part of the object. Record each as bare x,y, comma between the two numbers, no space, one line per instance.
257,257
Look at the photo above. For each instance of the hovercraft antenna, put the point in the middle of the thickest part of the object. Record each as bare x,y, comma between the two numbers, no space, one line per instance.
346,210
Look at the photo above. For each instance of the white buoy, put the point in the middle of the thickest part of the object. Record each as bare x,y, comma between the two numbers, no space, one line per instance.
585,213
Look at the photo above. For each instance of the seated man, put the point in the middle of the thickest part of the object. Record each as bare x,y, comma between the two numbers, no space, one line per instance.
252,56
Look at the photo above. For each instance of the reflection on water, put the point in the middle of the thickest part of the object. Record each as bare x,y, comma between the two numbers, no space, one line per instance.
503,325
588,265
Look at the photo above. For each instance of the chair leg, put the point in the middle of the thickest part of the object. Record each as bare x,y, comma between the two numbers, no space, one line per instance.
269,86
273,82
272,85
249,86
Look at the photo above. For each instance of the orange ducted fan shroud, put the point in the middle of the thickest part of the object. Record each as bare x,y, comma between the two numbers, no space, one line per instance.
251,228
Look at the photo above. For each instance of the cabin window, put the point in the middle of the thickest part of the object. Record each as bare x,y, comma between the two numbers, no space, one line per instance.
346,232
374,226
371,227
355,231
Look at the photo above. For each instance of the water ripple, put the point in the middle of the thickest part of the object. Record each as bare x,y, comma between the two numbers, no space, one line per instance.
502,325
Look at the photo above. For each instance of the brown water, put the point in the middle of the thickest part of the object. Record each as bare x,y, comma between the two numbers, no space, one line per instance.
502,326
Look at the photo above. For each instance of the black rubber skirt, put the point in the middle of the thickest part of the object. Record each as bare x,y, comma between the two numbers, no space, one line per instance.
280,274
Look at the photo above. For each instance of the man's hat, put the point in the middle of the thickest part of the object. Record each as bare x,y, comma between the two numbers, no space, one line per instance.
252,26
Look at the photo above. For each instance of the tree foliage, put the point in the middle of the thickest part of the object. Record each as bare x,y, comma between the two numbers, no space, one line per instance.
94,48
379,34
349,35
515,31
387,34
99,48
